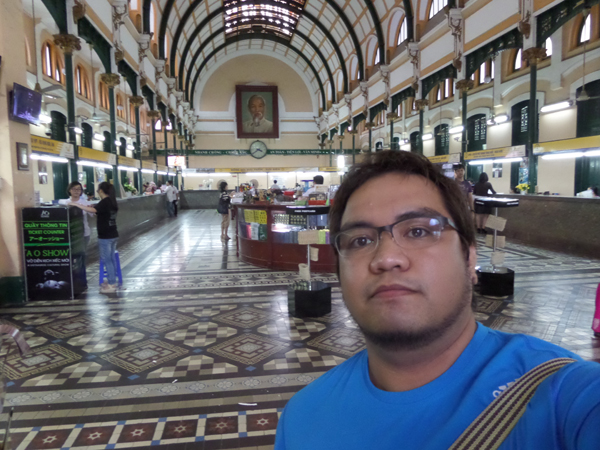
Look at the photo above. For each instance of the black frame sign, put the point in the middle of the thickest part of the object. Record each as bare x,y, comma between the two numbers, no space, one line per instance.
47,253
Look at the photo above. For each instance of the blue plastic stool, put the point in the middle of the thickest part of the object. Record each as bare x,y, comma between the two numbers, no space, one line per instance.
119,274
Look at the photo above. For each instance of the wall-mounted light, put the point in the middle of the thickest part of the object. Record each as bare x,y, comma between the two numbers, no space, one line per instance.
256,174
569,155
50,158
480,162
77,130
117,143
99,137
501,118
147,171
456,130
592,153
508,160
130,147
556,107
94,164
45,118
160,172
427,137
126,168
341,162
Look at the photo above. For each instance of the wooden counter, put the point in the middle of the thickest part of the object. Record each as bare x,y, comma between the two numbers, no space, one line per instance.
266,252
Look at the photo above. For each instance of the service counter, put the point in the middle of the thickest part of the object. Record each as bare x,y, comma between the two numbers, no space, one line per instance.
267,236
136,215
199,199
564,224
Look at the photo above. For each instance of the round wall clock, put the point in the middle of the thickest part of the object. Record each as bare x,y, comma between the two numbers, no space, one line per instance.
258,149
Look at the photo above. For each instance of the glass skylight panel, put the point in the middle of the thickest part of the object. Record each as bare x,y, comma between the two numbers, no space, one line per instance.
277,17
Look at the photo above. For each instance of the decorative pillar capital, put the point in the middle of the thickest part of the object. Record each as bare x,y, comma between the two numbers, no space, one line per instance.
67,42
153,114
392,116
110,79
340,137
79,11
136,100
421,104
119,55
534,55
369,125
465,85
143,81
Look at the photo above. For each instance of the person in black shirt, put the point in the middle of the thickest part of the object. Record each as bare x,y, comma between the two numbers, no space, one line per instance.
481,188
223,209
106,213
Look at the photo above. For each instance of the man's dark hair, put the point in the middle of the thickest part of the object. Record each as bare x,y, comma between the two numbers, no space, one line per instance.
222,186
274,181
595,190
458,166
170,183
318,179
406,163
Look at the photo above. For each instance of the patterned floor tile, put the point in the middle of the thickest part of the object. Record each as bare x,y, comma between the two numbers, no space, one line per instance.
8,345
89,436
180,429
49,439
261,422
38,360
303,357
73,327
139,357
248,348
206,311
130,314
83,372
245,317
201,334
221,425
291,328
161,322
193,366
40,319
137,432
344,341
105,339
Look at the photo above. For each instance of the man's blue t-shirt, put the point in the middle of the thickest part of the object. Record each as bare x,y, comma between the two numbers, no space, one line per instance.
344,410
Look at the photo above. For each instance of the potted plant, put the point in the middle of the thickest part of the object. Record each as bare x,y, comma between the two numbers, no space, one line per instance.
522,188
129,190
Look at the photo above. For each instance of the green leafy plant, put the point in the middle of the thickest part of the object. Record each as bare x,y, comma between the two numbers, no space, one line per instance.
523,187
129,188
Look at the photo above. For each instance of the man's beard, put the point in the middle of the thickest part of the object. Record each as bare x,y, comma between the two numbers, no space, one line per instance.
415,339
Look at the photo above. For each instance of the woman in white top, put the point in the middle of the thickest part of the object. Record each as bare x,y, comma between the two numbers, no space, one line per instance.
75,192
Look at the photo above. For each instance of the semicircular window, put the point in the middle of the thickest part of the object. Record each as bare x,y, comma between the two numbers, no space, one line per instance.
277,17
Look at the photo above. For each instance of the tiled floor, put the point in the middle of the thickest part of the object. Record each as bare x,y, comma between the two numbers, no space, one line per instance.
199,351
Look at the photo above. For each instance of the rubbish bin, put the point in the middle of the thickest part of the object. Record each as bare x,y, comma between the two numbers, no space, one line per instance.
309,299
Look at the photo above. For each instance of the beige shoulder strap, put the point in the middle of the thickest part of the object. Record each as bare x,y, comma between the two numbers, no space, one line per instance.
493,425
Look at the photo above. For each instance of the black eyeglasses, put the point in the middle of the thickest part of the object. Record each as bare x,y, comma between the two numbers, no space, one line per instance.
409,233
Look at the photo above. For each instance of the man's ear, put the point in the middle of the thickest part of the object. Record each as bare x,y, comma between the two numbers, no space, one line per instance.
471,263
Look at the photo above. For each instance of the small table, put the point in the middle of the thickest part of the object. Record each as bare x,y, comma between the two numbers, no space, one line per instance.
496,281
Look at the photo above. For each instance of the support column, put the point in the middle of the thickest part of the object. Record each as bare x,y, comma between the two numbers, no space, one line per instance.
391,117
112,80
353,133
138,101
421,105
330,142
534,56
68,43
369,126
154,115
464,86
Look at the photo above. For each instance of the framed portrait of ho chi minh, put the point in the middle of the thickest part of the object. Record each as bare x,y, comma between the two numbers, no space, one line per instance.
256,112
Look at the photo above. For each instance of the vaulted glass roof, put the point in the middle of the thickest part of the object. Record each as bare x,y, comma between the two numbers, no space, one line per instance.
277,17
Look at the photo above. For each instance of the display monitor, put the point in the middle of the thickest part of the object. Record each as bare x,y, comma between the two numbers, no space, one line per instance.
26,105
176,161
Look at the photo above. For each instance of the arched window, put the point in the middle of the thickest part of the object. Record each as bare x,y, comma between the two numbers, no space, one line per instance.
518,63
548,47
158,124
445,90
152,18
436,7
376,57
133,5
120,106
82,82
442,140
52,63
485,73
586,30
403,34
103,95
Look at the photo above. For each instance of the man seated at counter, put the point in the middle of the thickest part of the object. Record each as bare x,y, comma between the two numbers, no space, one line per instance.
317,181
430,371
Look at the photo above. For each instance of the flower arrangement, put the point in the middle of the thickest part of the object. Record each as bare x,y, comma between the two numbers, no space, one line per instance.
523,187
129,188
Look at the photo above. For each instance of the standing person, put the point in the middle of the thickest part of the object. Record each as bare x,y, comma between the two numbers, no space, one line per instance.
465,186
106,213
317,181
223,209
481,188
275,187
406,267
176,201
75,193
171,198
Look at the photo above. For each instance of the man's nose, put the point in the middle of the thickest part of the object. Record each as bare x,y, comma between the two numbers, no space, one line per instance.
388,255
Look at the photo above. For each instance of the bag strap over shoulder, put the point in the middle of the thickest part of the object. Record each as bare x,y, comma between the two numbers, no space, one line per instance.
493,425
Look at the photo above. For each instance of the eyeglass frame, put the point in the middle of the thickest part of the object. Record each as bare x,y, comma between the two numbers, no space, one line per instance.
445,221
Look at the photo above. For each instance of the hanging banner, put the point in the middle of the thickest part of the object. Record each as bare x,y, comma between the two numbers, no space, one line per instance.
567,144
44,145
247,152
97,155
129,162
503,152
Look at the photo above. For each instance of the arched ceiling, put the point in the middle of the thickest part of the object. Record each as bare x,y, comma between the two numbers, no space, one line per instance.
319,37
